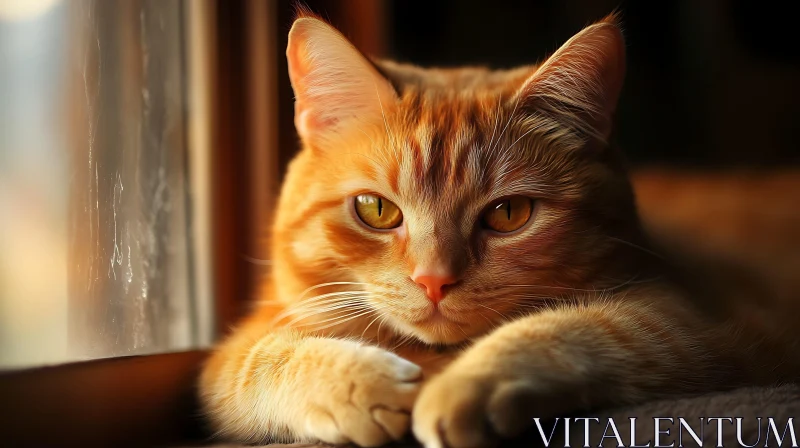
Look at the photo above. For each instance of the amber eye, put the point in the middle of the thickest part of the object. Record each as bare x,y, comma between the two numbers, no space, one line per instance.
378,212
508,215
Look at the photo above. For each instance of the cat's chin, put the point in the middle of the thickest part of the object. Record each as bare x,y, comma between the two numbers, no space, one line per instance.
435,338
434,330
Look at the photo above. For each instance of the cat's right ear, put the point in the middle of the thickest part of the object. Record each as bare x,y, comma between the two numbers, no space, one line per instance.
579,85
337,90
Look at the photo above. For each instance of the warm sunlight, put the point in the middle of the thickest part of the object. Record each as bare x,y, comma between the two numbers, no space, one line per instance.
20,10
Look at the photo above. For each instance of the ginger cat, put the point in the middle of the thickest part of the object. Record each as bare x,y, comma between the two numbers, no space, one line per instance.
457,251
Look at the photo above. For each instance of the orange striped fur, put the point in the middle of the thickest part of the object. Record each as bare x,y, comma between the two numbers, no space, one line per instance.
570,312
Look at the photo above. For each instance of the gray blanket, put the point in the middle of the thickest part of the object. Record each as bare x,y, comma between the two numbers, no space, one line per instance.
702,418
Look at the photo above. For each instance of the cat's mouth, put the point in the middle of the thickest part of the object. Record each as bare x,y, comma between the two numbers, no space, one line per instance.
439,327
437,317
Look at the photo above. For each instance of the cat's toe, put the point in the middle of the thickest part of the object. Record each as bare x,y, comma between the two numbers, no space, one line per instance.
321,425
352,424
363,430
451,412
394,423
513,405
463,411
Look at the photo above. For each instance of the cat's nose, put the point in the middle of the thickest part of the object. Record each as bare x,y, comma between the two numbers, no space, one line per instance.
434,285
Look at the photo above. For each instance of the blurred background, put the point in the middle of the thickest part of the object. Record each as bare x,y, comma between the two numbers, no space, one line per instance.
142,144
709,84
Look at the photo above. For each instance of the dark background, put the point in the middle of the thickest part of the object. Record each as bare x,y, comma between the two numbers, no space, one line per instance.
710,83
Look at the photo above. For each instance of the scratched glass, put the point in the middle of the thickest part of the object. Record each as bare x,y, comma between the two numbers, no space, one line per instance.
95,254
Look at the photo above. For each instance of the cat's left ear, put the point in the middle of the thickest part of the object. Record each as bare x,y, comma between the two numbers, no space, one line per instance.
579,85
336,88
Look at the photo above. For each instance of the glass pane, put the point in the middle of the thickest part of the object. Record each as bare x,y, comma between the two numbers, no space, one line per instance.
94,203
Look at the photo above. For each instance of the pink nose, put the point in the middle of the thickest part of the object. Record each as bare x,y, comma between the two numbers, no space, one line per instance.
434,285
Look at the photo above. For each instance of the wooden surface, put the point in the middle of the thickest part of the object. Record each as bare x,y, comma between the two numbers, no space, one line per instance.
132,401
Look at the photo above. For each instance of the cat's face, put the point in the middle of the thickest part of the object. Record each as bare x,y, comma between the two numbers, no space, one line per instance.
452,198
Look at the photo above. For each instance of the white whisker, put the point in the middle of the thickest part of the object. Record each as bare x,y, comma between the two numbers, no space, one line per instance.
340,321
322,285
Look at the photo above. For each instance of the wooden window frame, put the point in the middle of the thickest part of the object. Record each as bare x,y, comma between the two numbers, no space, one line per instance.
151,400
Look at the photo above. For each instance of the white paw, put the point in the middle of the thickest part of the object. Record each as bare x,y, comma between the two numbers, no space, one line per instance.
360,394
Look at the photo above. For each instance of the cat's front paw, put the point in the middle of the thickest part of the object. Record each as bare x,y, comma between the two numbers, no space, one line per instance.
459,410
366,396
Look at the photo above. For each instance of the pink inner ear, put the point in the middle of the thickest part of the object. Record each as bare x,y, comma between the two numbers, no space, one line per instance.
332,81
306,121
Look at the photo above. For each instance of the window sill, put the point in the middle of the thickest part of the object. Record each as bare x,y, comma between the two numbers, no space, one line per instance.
131,401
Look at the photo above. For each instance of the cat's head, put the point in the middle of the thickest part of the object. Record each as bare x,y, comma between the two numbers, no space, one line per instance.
453,198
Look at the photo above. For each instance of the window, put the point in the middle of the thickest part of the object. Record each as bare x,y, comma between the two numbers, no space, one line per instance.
101,197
